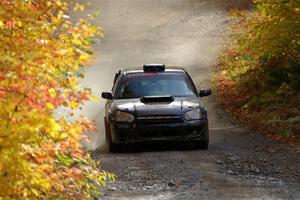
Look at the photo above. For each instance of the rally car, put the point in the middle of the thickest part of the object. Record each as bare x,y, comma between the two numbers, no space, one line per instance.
155,103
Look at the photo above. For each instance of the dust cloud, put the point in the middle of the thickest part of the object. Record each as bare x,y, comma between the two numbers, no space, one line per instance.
95,110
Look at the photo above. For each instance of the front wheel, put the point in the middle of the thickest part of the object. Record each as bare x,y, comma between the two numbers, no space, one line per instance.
111,146
203,144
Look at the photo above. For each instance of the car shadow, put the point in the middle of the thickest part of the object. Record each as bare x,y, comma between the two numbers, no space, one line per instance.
157,146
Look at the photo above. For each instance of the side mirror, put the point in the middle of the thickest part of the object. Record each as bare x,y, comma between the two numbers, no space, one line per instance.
204,92
106,95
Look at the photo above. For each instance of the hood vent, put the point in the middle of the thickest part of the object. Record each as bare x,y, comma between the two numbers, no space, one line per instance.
149,99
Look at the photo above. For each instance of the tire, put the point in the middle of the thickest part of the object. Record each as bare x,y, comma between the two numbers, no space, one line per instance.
111,147
203,144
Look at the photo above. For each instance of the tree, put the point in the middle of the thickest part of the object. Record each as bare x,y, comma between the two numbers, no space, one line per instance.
261,66
42,57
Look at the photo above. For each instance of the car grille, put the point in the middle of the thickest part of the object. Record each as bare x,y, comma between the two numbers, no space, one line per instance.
159,119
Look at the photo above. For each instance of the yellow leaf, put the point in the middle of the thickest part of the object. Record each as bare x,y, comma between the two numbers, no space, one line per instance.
58,3
78,7
95,98
84,57
56,127
50,106
77,41
73,104
63,136
20,24
52,91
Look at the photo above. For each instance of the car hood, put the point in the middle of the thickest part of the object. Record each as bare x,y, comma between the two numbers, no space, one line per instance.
177,107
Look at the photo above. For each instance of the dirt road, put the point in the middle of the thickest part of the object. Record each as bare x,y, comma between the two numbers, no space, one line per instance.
239,164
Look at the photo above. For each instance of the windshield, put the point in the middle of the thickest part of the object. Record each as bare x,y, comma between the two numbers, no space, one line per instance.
136,85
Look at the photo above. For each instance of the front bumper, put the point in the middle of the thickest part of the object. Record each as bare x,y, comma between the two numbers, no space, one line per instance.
185,131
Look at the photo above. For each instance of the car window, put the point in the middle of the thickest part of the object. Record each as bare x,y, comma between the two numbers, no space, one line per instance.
136,85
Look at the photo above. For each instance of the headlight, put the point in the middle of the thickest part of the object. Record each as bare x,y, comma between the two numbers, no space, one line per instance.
194,115
124,117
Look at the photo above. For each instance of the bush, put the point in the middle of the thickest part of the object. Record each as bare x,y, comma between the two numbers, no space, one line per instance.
42,58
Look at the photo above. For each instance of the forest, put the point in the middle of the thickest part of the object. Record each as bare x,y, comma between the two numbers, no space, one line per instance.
258,78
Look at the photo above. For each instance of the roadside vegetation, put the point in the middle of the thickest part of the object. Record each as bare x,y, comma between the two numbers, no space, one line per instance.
258,78
42,57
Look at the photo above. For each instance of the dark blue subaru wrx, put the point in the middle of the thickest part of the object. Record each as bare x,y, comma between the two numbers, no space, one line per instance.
155,103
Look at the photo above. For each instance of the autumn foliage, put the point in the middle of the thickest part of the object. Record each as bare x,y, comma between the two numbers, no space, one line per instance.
259,69
42,57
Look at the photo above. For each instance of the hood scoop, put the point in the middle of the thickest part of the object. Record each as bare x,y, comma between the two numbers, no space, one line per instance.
153,99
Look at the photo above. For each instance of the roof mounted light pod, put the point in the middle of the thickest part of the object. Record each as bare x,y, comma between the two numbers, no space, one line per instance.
154,68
